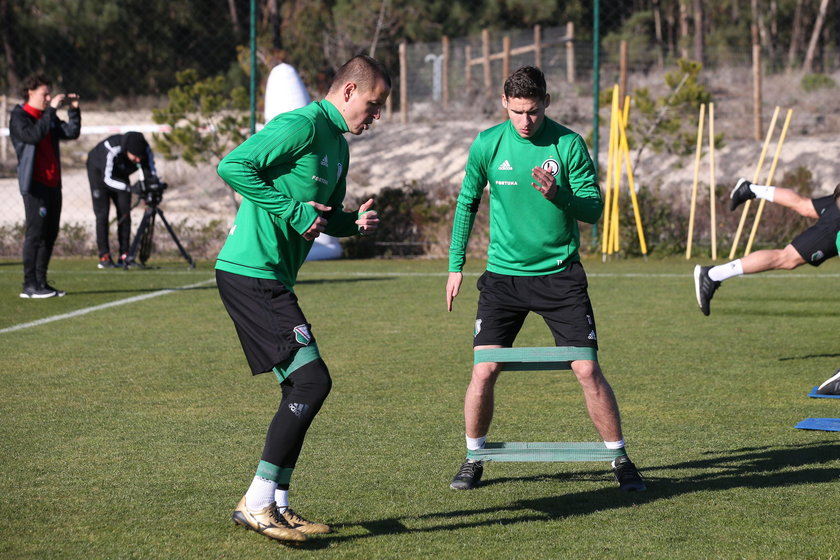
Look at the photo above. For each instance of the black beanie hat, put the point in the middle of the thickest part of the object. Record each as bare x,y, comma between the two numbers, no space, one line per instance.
135,143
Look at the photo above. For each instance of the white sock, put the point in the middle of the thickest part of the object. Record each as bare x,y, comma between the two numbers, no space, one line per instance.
725,271
614,444
476,443
282,499
260,494
764,191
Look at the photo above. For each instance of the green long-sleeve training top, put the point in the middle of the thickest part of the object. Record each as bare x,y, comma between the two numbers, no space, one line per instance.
299,156
529,235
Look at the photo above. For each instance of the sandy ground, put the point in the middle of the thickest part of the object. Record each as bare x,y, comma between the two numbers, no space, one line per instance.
391,154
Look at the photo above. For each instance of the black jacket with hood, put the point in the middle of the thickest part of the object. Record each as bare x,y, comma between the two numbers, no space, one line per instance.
111,164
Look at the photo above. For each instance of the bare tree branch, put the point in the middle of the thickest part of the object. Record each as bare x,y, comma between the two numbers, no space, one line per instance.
807,66
382,7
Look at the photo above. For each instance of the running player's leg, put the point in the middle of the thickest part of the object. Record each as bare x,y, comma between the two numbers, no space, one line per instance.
771,259
802,205
745,190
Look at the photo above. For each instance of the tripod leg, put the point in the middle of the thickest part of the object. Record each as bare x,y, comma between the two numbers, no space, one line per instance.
147,240
138,237
175,238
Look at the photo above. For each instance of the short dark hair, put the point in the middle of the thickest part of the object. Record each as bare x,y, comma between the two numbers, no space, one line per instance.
526,83
34,81
837,194
363,70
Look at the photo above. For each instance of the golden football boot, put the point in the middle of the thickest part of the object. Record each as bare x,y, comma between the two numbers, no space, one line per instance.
268,522
303,525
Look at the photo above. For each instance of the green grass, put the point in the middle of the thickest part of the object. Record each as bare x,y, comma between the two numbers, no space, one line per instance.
132,431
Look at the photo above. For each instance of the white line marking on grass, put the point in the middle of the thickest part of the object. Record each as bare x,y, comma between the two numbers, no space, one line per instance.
767,275
85,311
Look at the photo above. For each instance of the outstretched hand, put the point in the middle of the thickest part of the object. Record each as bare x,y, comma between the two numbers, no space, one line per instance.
368,219
320,223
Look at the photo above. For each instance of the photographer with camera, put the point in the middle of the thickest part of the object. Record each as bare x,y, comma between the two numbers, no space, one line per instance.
109,165
36,129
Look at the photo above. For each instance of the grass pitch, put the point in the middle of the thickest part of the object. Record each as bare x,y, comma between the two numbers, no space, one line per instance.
130,426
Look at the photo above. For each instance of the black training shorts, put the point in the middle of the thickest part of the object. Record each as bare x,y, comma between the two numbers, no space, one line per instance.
268,319
561,299
818,243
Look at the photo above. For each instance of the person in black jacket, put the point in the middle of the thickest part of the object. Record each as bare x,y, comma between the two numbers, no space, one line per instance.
109,165
35,130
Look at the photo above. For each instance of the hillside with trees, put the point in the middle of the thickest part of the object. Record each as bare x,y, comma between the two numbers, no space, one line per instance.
117,48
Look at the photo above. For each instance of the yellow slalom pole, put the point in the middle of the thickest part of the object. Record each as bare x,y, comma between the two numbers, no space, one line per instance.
623,115
712,184
613,245
614,239
755,180
625,147
626,114
769,181
698,150
605,231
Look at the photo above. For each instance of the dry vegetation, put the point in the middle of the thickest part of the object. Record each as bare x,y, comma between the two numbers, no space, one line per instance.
429,153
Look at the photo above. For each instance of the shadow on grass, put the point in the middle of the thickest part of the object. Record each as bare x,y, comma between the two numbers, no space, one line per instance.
344,280
809,357
755,467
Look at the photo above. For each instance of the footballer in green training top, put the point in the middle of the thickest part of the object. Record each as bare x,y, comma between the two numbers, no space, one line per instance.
292,177
542,182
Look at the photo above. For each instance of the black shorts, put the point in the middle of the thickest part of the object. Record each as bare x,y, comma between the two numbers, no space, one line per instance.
268,319
818,243
561,299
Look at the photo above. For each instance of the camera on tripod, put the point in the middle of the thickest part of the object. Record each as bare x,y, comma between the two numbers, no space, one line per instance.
150,191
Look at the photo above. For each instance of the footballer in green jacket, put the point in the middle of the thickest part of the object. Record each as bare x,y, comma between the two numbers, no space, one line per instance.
542,181
290,173
292,176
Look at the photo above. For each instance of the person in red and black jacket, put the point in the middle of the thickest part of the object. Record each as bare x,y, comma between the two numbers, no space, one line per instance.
35,130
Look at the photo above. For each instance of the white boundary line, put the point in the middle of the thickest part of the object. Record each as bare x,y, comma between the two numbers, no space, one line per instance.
85,311
312,274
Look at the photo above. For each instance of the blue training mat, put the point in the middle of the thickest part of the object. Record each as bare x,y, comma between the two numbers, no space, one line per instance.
823,424
813,394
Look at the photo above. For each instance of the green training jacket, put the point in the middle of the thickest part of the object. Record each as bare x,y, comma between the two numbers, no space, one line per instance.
299,156
529,235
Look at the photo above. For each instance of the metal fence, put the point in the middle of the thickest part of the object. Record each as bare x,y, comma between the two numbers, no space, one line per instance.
453,75
434,88
198,203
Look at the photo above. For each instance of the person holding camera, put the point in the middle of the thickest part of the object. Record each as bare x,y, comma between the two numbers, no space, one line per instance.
109,165
36,130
